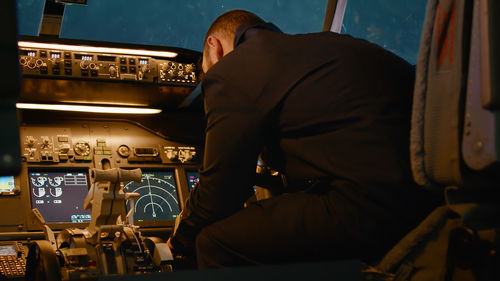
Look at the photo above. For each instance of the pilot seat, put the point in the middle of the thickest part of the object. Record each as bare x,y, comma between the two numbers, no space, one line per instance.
455,148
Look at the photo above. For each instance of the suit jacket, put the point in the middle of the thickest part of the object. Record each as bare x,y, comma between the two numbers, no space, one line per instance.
323,105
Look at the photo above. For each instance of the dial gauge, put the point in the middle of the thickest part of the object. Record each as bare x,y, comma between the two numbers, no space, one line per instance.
38,181
82,148
56,181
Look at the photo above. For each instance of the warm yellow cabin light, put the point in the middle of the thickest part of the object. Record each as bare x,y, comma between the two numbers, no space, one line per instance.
87,108
106,50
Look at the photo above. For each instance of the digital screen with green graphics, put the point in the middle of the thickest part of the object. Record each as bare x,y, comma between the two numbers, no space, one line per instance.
158,198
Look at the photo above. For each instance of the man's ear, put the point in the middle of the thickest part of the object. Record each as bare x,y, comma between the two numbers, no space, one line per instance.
215,50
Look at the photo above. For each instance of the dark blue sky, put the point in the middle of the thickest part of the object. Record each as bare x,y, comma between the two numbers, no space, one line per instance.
393,24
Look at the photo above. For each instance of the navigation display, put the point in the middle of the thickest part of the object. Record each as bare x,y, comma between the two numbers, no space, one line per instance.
6,183
59,195
192,178
158,196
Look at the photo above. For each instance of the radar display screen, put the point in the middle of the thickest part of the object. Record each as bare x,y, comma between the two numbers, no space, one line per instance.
158,196
192,178
59,195
6,183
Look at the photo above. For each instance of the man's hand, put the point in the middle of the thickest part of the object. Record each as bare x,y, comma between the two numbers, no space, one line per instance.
170,245
176,225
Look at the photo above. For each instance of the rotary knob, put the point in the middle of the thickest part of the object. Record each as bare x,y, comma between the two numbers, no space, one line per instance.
186,155
82,148
189,68
171,154
32,63
30,141
45,142
85,64
123,151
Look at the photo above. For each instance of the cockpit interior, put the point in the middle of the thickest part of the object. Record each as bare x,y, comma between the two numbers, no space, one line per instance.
103,127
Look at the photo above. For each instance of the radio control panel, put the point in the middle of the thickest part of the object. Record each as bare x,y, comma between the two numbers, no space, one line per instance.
92,63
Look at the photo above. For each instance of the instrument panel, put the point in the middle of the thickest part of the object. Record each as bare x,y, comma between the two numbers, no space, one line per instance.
52,145
75,61
57,158
58,152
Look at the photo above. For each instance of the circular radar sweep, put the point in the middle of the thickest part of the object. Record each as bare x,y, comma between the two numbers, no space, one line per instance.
158,197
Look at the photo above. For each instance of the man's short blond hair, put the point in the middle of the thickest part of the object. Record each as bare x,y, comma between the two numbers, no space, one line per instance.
227,23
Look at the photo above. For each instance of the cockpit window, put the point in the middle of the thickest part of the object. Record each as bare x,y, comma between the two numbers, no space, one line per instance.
177,23
29,14
395,25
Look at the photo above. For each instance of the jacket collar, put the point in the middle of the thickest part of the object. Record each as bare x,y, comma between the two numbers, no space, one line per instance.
247,31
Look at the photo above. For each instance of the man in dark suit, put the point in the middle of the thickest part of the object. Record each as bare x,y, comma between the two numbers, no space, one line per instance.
333,115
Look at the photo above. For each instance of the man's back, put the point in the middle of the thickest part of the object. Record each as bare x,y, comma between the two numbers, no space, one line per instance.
342,104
